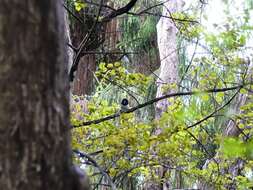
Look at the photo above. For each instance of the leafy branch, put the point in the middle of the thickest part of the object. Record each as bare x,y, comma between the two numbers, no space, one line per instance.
177,94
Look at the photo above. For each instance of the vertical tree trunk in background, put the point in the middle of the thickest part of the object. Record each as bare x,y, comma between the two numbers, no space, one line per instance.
167,44
83,82
35,149
112,35
232,130
242,99
146,63
70,51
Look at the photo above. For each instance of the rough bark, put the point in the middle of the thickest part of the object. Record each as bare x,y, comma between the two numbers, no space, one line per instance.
82,83
34,122
86,65
167,44
112,34
70,51
147,63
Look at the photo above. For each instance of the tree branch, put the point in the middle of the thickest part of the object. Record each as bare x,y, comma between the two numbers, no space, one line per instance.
214,112
73,14
120,11
95,164
82,46
97,121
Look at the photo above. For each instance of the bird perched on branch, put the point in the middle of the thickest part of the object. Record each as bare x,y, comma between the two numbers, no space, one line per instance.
124,105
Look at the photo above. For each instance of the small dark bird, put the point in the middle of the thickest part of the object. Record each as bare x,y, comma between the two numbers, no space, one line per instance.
124,105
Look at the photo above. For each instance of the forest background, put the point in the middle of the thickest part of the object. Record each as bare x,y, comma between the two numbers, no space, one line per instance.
185,68
126,94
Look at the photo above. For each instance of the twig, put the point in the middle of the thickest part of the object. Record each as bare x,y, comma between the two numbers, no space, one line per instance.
95,164
120,11
215,111
72,14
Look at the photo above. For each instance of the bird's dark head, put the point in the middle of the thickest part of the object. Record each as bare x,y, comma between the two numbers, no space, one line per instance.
124,102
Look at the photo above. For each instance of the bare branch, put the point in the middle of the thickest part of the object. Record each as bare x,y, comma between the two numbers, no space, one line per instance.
95,164
120,11
83,44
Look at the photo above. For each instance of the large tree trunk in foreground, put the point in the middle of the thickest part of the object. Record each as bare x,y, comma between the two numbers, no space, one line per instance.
34,125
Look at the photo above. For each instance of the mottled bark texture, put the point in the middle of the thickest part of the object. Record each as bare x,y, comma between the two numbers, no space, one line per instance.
83,80
70,51
34,126
167,44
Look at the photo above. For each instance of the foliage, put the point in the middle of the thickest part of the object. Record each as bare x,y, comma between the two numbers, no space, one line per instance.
117,74
80,5
139,34
188,142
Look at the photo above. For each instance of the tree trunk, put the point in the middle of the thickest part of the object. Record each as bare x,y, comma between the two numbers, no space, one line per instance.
232,130
167,44
70,51
34,119
166,40
83,83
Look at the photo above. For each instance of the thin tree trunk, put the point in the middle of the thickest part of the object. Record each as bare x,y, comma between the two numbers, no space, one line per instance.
232,130
70,51
34,119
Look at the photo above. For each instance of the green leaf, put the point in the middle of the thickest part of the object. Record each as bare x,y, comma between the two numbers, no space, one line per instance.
80,5
233,147
243,91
